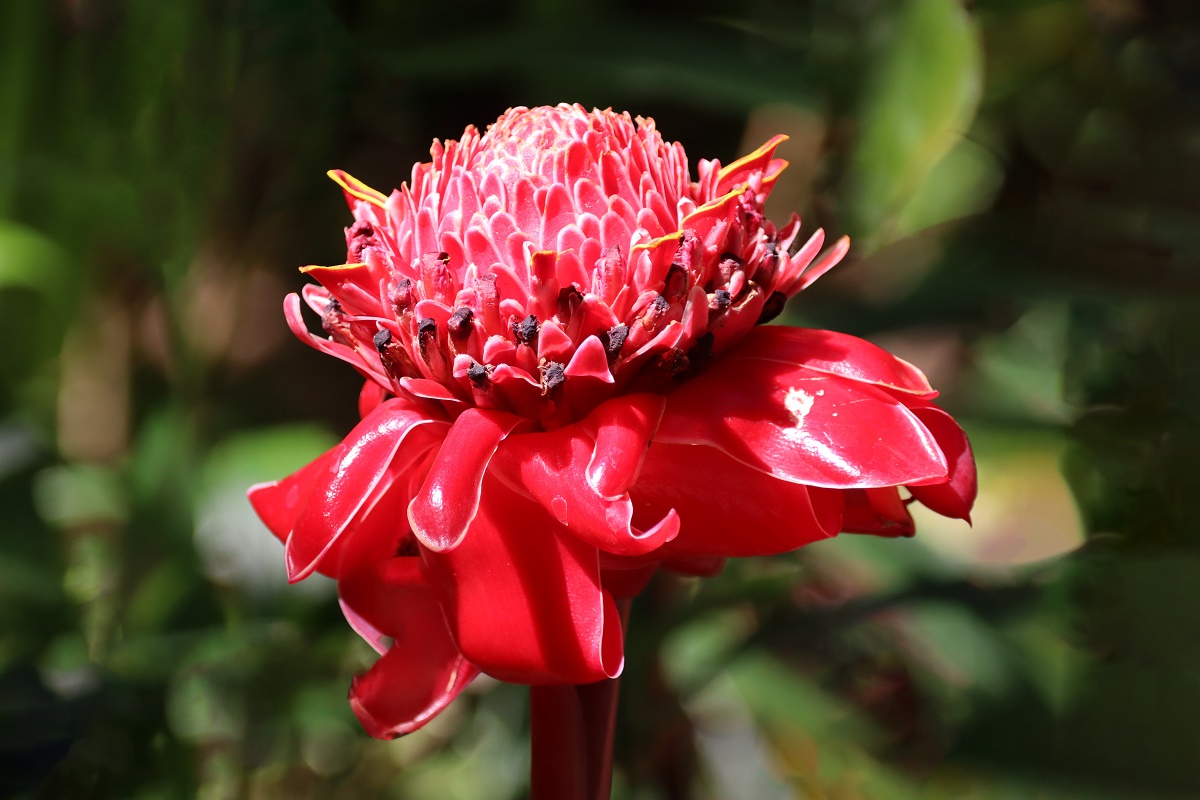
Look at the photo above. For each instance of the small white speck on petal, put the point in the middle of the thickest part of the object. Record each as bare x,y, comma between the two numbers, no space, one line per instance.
798,403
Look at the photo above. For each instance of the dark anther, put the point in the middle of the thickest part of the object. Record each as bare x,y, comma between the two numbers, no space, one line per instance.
426,333
382,339
772,308
526,331
459,323
553,374
403,296
613,340
772,248
334,323
700,353
569,299
720,301
477,373
331,317
673,362
661,304
676,282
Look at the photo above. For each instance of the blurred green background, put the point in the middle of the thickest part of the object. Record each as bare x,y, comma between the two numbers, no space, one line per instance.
1020,178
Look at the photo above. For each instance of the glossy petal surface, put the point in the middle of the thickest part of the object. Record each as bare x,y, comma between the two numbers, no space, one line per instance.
834,353
387,599
955,497
338,495
560,471
442,511
803,426
280,502
523,598
726,508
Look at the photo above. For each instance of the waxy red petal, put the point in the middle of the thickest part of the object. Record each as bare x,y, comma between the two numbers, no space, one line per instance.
740,171
354,286
590,361
442,511
955,497
295,322
727,508
419,676
339,495
561,471
622,429
835,353
369,398
803,426
876,511
523,598
828,261
356,189
383,595
280,502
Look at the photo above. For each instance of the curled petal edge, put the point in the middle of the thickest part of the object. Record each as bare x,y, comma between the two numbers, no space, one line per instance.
448,500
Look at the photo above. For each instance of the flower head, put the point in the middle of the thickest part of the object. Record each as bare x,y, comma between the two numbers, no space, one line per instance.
568,386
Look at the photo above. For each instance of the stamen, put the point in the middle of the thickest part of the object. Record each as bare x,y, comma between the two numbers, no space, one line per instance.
426,333
478,374
459,323
553,375
403,296
526,331
333,322
727,266
676,284
382,339
569,300
613,340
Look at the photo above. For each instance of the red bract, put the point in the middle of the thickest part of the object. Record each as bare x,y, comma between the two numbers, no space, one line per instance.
567,388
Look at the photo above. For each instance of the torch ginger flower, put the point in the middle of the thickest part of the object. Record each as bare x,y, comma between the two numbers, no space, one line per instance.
568,386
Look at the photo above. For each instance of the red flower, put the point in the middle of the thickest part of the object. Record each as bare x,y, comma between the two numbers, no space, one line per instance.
566,388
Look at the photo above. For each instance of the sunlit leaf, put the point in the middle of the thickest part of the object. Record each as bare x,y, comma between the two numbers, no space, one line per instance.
921,100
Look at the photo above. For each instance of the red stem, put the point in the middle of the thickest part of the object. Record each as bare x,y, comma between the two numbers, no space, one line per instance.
571,734
558,768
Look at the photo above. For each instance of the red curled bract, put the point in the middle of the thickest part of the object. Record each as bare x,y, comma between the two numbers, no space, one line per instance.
568,388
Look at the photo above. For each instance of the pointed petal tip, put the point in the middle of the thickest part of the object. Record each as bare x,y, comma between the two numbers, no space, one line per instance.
297,571
356,188
765,150
257,488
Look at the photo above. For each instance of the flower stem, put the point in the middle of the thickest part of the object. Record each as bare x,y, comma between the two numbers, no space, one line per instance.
572,738
558,768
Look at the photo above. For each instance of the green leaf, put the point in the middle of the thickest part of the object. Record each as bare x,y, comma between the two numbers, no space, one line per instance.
29,260
921,100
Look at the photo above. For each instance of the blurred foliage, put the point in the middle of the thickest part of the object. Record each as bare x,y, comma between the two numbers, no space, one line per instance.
1020,178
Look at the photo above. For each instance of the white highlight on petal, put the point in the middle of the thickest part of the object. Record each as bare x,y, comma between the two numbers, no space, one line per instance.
798,403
